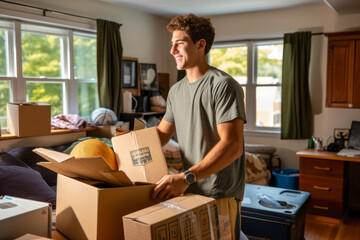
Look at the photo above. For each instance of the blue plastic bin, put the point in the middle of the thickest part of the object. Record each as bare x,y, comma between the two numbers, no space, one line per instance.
286,178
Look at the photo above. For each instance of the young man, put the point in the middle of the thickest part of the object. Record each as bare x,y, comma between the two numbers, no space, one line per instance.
206,108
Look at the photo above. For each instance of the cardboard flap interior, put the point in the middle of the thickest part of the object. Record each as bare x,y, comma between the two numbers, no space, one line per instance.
88,168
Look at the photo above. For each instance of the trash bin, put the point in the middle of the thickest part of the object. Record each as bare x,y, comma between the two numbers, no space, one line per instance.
286,178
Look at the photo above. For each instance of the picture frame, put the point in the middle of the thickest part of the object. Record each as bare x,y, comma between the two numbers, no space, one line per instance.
148,77
129,72
341,136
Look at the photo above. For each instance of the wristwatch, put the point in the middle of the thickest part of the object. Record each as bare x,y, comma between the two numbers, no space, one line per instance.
190,178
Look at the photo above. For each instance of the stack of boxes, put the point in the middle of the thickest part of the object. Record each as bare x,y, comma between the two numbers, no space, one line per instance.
93,200
96,202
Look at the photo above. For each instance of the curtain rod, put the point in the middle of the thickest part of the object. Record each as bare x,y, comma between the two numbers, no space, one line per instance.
48,10
257,39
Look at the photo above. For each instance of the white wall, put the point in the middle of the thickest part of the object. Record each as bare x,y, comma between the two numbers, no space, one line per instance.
143,35
318,18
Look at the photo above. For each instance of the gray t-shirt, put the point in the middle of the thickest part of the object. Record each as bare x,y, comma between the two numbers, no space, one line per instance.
196,109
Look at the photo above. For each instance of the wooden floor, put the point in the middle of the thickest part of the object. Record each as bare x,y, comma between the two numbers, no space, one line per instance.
327,229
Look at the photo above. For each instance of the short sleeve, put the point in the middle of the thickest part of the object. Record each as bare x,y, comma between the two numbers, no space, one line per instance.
169,114
229,101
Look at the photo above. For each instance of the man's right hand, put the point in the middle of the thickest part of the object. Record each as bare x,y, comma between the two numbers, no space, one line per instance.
170,186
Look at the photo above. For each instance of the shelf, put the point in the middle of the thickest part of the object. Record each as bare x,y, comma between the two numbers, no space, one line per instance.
8,136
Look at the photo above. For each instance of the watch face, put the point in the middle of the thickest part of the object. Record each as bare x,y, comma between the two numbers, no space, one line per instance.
190,178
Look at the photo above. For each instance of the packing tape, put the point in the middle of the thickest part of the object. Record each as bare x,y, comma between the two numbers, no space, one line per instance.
210,219
188,221
190,215
135,142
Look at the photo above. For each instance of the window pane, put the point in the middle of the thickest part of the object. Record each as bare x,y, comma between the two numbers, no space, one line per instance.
3,51
269,63
268,106
41,55
232,60
85,57
51,93
88,99
5,97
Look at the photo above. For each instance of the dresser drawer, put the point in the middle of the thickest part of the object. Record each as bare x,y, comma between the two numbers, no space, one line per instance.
327,209
321,167
321,188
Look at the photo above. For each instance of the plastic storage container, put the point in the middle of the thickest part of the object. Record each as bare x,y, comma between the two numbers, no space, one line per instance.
260,218
286,178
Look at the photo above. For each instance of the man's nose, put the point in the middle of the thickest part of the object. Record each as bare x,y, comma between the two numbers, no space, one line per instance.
173,50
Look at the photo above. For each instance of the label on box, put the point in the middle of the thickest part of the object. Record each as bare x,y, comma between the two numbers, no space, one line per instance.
141,156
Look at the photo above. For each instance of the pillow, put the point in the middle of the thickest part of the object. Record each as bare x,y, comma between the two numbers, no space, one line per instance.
27,156
9,160
25,183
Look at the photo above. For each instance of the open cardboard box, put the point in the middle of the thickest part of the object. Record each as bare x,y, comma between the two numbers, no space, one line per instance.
92,198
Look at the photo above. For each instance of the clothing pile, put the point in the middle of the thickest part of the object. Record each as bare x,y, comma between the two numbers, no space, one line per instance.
69,121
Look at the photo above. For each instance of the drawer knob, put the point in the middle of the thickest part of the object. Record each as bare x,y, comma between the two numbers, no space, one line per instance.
321,207
322,168
322,188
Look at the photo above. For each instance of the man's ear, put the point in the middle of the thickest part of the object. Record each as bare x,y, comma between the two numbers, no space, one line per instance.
202,44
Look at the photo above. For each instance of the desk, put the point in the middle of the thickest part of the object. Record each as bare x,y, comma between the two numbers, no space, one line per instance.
324,175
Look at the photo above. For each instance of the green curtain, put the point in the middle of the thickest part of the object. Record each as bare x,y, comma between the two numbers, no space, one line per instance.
109,62
296,113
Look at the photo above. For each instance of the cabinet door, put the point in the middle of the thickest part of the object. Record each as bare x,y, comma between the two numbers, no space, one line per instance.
340,73
356,85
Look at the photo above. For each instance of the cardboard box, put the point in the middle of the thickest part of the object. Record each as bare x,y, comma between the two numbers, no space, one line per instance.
29,119
92,198
184,217
20,216
86,211
139,154
109,131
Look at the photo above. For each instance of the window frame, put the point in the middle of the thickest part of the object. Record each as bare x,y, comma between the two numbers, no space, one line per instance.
15,75
251,85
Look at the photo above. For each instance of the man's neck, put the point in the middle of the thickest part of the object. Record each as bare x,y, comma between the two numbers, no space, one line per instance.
195,73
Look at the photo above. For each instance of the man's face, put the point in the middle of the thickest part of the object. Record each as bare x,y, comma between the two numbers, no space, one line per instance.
185,52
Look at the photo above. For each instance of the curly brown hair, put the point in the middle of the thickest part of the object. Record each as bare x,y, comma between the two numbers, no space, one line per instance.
196,27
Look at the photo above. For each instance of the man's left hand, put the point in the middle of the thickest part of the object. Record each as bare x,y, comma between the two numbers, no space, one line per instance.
170,186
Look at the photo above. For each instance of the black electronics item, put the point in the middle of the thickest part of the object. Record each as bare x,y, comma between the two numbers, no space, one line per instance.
333,147
354,136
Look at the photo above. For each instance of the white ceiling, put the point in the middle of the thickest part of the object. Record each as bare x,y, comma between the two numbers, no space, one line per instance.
171,8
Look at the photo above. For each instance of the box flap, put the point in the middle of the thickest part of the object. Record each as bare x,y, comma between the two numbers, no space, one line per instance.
88,168
139,154
170,208
138,124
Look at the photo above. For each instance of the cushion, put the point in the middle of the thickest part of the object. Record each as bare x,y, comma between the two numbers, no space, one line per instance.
27,156
26,183
7,159
93,148
256,171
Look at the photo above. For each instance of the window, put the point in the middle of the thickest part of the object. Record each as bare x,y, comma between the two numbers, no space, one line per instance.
7,67
55,66
257,66
86,74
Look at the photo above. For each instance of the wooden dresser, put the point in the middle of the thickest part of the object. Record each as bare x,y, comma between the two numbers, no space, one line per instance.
323,174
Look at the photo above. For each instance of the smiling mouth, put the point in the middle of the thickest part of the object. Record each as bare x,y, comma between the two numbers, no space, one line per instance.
178,58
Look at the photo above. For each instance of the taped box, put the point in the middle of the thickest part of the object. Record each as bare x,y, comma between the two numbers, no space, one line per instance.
92,198
186,217
20,216
29,119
